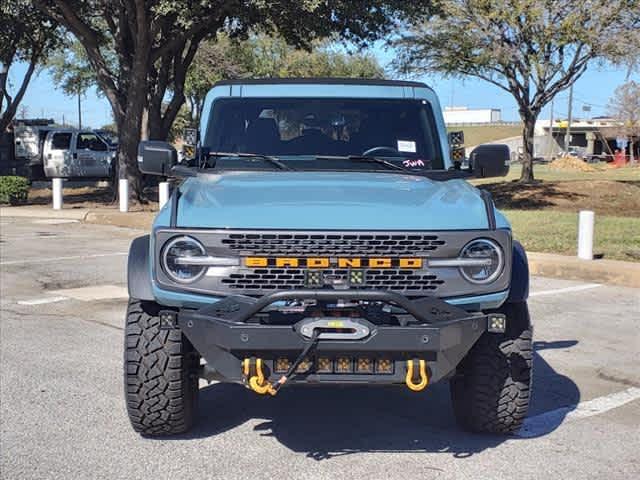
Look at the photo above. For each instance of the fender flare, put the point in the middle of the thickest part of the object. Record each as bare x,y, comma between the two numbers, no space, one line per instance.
138,271
519,290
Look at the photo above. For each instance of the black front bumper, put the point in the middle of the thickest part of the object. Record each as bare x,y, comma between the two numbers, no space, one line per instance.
227,332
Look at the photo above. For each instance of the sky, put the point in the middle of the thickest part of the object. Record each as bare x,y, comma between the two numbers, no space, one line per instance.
594,89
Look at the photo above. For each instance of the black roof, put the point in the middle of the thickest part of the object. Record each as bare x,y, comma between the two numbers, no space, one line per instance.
327,81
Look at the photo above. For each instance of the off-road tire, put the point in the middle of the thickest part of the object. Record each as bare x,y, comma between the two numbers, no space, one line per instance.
492,386
161,385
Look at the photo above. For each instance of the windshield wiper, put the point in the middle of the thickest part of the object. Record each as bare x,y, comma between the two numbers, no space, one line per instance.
365,158
267,158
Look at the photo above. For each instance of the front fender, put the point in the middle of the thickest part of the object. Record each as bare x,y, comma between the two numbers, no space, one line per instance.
519,290
138,271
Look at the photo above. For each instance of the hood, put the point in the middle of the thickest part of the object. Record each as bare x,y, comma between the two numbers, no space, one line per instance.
327,201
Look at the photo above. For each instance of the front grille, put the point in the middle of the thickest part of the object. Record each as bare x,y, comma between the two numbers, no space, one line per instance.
309,244
408,281
334,245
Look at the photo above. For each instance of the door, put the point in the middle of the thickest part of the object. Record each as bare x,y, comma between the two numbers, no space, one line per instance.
58,161
93,155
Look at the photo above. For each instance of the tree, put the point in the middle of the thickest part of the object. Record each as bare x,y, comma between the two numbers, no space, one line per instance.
532,49
216,59
154,42
25,36
624,106
269,56
72,72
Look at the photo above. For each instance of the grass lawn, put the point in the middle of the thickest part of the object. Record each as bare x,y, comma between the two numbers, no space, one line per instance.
545,174
544,215
616,238
477,134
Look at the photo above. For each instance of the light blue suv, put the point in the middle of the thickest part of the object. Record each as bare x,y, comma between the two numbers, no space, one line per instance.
324,233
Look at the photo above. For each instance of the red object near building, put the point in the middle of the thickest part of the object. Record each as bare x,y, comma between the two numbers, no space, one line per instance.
619,159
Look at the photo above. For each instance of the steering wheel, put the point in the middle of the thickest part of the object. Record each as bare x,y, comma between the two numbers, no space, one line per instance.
379,151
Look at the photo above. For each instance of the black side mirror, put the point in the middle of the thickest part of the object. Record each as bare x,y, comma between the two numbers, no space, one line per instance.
156,157
489,161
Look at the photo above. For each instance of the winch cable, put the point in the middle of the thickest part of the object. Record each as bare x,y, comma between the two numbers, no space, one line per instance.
309,348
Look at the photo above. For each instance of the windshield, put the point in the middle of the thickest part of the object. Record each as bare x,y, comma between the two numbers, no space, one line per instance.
303,129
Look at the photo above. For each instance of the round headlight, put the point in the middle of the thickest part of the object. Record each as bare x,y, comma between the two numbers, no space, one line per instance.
485,261
181,248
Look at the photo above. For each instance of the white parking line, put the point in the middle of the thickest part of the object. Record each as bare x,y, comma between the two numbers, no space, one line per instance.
58,259
42,301
83,294
55,221
37,236
548,421
557,291
97,292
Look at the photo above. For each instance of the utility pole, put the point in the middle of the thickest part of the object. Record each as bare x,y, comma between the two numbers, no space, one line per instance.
79,113
567,138
550,150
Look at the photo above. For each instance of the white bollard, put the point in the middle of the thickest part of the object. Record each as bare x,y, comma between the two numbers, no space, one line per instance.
57,193
586,222
163,193
123,193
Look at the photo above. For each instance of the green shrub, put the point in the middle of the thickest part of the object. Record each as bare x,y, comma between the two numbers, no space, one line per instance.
13,190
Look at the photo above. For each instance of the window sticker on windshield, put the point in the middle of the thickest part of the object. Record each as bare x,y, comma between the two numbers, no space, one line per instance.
407,146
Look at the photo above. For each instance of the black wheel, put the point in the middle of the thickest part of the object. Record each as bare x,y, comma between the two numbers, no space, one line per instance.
492,386
161,384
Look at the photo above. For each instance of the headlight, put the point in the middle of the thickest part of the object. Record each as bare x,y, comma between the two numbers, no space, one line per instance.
485,261
175,259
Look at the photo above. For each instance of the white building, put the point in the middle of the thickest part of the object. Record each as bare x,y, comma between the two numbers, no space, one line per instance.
457,115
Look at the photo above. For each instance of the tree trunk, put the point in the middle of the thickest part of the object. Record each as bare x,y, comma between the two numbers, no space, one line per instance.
129,137
156,125
144,128
130,124
528,132
12,103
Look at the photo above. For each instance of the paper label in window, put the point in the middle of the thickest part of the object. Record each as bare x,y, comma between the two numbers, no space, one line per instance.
407,146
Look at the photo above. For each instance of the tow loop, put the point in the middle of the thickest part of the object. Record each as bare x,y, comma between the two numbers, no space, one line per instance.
423,376
254,376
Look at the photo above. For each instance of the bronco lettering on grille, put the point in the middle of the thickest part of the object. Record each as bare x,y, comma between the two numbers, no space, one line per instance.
341,262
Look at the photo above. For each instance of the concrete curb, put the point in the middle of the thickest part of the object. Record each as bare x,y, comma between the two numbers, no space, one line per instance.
614,272
544,264
137,220
44,212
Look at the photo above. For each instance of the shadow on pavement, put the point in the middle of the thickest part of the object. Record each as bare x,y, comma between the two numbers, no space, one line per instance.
327,422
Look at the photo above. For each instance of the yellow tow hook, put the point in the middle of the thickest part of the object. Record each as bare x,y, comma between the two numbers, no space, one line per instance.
424,377
257,381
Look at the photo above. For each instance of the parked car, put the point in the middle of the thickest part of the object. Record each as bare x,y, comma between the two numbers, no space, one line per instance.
327,237
71,153
28,140
110,137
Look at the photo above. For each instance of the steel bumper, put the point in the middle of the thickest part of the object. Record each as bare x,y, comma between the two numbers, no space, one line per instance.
226,332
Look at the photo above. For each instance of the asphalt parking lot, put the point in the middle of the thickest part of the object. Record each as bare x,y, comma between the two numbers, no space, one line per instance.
63,414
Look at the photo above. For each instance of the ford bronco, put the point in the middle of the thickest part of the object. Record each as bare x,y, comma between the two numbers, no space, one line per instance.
324,233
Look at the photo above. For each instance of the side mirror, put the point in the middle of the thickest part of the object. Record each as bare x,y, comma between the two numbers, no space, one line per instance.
156,157
489,161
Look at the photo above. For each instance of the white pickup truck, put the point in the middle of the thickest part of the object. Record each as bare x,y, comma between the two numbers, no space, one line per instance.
73,153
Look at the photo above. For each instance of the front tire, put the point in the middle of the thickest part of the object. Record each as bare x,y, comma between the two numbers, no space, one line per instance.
492,387
161,385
